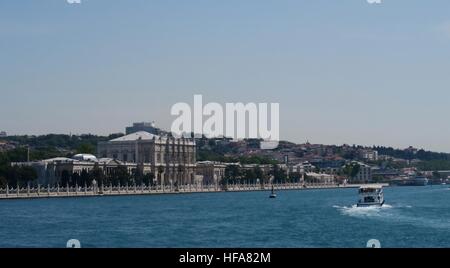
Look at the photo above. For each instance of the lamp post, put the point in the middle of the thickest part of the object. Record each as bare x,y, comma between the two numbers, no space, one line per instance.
94,186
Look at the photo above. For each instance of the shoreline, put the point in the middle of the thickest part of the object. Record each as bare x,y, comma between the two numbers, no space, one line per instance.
139,192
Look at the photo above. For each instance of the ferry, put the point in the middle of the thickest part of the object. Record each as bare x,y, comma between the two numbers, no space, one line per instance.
412,180
371,195
417,181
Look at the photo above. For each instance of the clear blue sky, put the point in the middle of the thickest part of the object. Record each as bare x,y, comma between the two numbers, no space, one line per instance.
343,71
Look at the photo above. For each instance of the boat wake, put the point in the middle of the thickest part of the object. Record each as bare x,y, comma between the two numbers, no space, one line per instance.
393,214
363,211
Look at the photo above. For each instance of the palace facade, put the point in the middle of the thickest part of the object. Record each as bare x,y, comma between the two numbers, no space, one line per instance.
171,160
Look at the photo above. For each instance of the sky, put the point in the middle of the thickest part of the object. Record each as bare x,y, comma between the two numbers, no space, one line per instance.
343,71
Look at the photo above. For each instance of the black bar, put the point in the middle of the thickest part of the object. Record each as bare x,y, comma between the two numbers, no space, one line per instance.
223,257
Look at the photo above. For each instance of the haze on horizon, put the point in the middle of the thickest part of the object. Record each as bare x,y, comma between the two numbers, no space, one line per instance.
343,71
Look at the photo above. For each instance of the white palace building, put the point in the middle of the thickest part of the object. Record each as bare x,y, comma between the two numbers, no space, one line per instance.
169,159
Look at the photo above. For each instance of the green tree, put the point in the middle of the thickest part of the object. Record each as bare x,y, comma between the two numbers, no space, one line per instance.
84,178
249,176
18,175
259,174
120,175
279,174
351,170
137,176
13,175
180,171
65,178
75,179
148,179
3,182
97,174
86,148
294,177
27,174
233,173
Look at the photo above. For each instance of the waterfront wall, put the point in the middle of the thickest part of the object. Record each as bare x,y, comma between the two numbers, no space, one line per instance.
56,191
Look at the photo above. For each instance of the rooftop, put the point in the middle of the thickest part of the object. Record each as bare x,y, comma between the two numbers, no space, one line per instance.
85,157
140,135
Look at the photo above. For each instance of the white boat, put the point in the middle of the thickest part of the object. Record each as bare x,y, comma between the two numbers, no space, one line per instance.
371,195
412,180
417,181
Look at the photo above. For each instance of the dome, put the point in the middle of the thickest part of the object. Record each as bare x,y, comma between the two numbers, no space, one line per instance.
85,157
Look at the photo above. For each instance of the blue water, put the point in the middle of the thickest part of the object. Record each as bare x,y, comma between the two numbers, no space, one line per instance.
413,217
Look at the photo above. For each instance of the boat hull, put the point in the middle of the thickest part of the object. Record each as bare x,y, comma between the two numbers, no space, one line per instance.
370,204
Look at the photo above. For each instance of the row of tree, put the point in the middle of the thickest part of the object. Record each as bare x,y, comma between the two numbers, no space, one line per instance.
16,175
119,175
69,142
409,154
237,174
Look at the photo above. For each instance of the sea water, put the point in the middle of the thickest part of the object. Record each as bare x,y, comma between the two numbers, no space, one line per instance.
411,217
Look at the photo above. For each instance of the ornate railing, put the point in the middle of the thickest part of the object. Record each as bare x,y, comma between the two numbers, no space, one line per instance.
59,191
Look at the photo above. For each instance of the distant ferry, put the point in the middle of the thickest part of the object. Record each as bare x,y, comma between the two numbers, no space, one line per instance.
415,181
371,195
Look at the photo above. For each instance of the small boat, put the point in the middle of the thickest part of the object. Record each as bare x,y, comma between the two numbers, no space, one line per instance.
272,194
371,195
